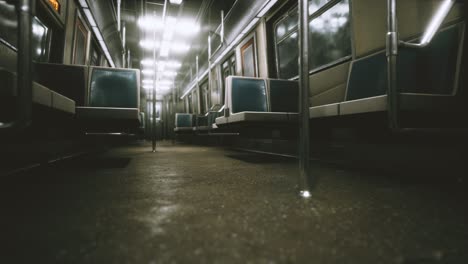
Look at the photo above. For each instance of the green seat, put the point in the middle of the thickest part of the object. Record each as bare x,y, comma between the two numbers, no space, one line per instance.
248,94
430,70
284,95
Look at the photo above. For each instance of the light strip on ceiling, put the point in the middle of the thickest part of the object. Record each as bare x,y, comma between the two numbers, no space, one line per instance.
92,22
268,5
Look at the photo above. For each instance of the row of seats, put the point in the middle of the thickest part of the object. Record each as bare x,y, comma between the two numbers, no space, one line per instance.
427,80
192,123
99,98
259,100
41,96
106,98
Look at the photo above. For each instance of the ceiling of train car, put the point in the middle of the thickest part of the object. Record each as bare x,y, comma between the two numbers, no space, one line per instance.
173,37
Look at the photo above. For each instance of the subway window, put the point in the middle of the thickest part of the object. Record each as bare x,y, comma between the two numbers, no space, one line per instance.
228,68
329,37
80,43
249,67
8,33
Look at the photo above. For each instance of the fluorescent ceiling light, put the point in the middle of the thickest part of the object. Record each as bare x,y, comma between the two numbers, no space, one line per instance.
175,2
165,82
150,23
147,87
83,3
168,34
147,62
147,81
90,17
170,73
267,8
179,47
250,25
173,64
149,44
236,40
187,28
147,72
164,51
436,21
97,34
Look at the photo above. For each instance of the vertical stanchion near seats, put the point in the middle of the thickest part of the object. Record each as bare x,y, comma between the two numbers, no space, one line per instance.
305,177
25,10
153,105
198,87
392,53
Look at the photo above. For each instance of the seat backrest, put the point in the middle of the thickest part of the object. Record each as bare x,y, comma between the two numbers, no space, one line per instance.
246,94
431,70
110,87
202,120
184,120
67,80
284,95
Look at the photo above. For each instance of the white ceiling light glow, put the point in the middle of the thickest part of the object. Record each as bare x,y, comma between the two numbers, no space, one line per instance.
175,2
149,44
170,38
147,72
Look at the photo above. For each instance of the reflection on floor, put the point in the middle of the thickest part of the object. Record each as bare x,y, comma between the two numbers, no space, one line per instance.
200,204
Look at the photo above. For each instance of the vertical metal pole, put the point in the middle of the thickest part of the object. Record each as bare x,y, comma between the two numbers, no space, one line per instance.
25,10
392,53
209,73
129,59
119,3
154,134
198,85
305,178
222,27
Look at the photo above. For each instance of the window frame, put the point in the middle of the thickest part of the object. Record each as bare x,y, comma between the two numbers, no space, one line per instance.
327,6
249,41
231,61
79,21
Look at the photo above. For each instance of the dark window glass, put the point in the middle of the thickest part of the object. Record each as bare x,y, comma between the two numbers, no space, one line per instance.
248,59
95,55
9,34
329,37
203,94
315,5
81,41
39,41
287,24
287,56
190,105
229,68
195,102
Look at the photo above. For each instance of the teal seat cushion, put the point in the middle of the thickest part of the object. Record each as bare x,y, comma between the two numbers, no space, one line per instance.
284,96
248,95
184,120
429,70
113,88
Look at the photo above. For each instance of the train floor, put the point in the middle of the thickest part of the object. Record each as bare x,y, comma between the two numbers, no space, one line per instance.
198,204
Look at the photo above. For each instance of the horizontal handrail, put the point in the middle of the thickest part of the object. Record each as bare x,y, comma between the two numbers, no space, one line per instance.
433,26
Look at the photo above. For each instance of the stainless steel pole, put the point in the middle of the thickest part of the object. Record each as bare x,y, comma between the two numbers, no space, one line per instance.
209,76
153,125
198,88
305,177
392,54
25,10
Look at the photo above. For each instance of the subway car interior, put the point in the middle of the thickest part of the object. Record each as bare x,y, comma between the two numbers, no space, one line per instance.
233,131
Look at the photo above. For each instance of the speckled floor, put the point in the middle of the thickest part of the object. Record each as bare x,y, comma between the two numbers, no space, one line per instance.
192,204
